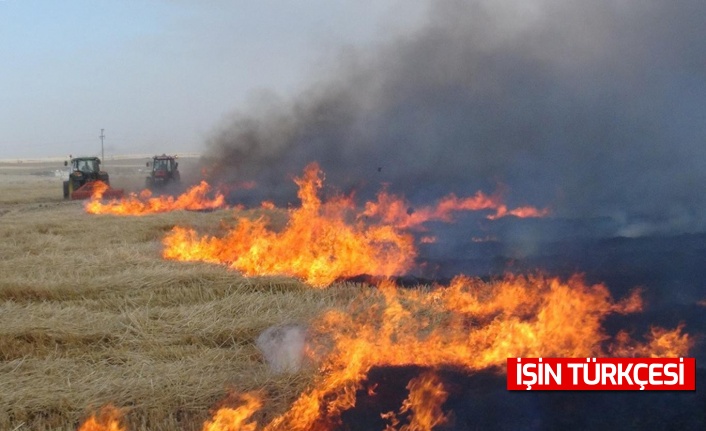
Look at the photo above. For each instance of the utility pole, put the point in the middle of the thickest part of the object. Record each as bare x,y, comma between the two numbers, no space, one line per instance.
102,153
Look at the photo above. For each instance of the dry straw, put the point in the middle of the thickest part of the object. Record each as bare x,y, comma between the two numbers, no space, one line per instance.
91,315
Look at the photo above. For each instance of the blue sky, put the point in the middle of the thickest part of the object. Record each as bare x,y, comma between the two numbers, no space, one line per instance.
159,75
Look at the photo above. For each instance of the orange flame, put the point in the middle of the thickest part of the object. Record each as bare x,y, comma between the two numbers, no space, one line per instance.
108,419
520,212
317,245
99,189
469,324
195,199
396,211
235,419
426,395
516,316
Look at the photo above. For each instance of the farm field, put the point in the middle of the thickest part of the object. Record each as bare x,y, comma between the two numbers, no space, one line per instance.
91,315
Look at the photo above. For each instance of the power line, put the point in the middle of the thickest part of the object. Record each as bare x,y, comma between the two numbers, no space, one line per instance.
102,153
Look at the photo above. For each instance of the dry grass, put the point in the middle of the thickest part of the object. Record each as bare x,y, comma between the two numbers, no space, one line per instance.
90,314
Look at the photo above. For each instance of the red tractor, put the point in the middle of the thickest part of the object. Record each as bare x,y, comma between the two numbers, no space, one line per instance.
165,172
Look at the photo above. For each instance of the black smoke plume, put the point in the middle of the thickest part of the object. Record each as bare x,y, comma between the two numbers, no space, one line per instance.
593,108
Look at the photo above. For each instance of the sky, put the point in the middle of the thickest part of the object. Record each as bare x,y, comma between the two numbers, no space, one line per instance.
592,108
159,75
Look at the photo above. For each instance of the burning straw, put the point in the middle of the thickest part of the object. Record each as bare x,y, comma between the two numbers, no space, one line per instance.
470,325
197,198
326,241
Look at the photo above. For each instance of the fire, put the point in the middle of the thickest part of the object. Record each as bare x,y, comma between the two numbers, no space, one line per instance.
426,395
317,245
235,419
324,241
661,343
470,325
196,198
99,189
107,420
520,212
396,211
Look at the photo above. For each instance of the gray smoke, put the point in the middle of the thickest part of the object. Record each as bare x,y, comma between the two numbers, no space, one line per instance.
595,108
283,347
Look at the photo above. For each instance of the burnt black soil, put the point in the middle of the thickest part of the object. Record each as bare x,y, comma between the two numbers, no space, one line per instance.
669,268
480,402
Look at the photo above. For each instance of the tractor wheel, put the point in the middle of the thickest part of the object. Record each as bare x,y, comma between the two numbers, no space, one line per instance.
73,186
66,189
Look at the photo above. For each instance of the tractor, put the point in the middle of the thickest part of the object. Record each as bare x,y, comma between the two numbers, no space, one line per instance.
165,172
85,172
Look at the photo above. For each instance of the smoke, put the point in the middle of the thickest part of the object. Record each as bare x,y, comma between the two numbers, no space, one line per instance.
283,347
595,109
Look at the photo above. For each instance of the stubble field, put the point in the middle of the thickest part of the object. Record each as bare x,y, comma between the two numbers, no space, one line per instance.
91,315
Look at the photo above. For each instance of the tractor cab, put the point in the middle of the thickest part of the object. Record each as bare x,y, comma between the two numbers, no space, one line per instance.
87,168
83,175
86,165
165,170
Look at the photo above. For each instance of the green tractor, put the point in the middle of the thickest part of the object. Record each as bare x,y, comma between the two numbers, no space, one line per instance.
85,172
